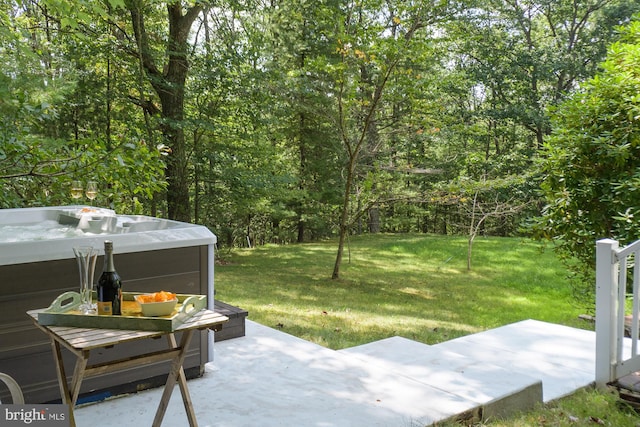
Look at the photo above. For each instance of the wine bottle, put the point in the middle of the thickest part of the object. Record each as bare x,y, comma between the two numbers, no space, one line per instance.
109,285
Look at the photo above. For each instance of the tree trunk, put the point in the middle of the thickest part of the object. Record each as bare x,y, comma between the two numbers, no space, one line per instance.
178,204
374,219
344,218
169,85
353,148
303,170
469,250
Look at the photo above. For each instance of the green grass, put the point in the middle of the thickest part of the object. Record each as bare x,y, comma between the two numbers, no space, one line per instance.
415,286
418,287
586,407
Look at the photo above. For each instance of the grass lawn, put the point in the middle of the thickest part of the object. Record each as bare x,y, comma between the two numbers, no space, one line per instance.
418,287
415,286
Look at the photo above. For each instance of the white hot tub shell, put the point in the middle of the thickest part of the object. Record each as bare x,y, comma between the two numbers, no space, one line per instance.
37,264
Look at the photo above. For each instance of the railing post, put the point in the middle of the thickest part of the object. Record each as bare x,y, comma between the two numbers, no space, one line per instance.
606,310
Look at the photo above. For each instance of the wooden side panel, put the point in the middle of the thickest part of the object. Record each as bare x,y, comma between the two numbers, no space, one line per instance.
25,352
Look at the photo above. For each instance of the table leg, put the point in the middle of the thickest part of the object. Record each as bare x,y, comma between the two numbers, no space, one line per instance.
184,390
176,374
69,393
78,376
62,380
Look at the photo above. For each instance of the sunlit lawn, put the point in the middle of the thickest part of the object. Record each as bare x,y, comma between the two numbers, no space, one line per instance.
415,286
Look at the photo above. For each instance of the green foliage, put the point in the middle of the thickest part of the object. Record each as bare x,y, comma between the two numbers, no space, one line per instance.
592,161
430,105
51,128
302,50
45,167
509,62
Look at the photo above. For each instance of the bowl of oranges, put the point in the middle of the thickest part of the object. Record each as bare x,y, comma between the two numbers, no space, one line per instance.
157,304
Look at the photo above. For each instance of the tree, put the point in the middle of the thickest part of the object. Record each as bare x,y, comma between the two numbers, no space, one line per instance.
167,74
289,119
509,62
591,163
303,41
526,56
366,66
52,114
481,200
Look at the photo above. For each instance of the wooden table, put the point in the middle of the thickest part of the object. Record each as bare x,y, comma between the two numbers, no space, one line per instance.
80,341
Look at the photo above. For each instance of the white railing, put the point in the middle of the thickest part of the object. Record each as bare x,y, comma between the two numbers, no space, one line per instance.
615,358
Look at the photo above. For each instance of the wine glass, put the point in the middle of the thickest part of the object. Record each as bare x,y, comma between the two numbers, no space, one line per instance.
76,189
92,190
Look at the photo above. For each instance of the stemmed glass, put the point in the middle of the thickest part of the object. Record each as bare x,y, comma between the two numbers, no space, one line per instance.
86,258
92,190
76,189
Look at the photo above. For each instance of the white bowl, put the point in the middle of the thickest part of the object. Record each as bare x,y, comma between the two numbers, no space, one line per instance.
154,309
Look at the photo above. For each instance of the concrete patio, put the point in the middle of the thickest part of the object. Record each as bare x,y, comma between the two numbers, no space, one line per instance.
270,378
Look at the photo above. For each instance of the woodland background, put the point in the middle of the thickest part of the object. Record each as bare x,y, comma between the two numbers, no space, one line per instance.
295,120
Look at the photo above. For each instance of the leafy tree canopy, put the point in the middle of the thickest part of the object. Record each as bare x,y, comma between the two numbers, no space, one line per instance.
50,132
592,161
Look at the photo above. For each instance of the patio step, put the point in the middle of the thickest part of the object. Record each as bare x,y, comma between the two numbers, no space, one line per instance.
235,327
270,378
563,358
491,390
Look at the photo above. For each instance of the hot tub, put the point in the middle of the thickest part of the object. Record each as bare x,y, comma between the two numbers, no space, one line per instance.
37,264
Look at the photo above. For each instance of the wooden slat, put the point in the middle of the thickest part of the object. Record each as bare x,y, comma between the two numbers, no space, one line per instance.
116,365
184,389
105,338
202,320
89,338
